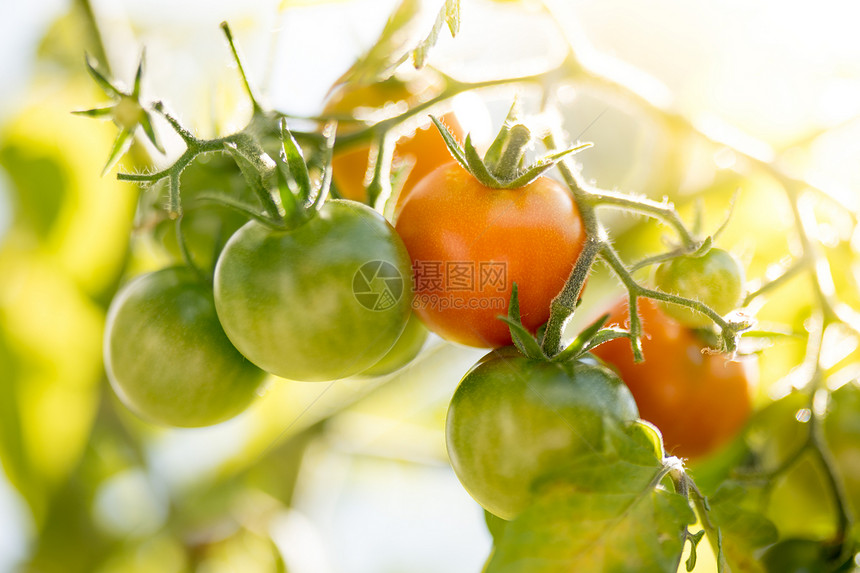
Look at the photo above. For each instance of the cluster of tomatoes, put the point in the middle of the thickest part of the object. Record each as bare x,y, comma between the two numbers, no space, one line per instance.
341,291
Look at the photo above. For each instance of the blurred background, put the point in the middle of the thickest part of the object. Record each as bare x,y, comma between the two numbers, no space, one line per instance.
350,477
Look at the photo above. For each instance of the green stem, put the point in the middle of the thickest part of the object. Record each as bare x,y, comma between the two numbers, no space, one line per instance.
563,305
663,211
789,273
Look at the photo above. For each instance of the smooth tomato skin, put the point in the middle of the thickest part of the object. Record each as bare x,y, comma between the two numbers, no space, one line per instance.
286,298
513,421
450,223
404,350
424,147
167,357
716,279
698,401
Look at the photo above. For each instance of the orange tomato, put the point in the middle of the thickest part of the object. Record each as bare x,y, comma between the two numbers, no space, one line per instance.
424,147
699,401
469,244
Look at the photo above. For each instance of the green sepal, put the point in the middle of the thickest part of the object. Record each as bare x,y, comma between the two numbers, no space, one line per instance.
521,337
146,124
329,132
494,153
97,112
138,76
292,156
240,207
575,348
511,141
541,166
451,142
120,146
100,78
477,167
257,172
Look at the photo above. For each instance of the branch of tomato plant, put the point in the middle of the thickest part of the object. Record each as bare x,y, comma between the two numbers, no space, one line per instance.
598,244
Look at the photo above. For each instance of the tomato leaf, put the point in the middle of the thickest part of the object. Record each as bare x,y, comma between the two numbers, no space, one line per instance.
389,51
609,514
742,530
543,165
448,14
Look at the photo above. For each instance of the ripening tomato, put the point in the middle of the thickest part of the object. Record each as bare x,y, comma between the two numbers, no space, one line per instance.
699,401
167,356
322,301
715,279
469,244
423,147
513,421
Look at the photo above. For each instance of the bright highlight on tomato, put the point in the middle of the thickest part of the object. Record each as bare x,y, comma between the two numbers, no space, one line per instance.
699,401
322,301
167,356
470,243
513,421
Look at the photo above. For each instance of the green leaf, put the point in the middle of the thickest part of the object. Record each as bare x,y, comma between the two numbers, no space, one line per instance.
575,348
608,514
388,52
742,530
449,14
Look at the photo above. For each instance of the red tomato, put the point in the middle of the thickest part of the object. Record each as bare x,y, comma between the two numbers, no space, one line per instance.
699,401
469,244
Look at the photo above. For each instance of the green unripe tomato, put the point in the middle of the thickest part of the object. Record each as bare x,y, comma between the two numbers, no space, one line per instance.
715,279
513,421
322,301
404,350
167,357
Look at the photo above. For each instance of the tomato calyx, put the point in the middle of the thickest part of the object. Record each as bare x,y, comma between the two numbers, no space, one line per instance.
502,165
530,346
126,112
